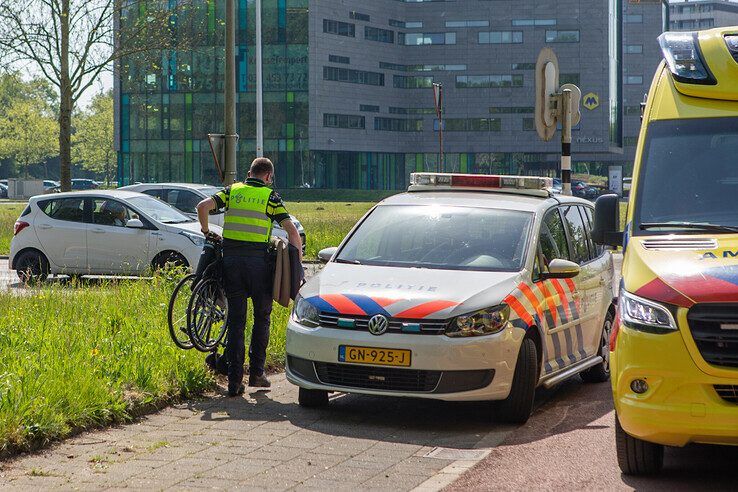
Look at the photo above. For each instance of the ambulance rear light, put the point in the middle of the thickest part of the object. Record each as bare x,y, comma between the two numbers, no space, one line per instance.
732,41
682,54
480,181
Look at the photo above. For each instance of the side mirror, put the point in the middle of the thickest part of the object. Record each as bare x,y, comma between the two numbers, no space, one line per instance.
135,224
559,268
325,255
606,229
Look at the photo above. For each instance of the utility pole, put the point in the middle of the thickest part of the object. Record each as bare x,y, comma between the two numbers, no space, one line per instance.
259,87
231,137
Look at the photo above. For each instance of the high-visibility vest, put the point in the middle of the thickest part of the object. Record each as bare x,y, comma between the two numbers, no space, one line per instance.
245,217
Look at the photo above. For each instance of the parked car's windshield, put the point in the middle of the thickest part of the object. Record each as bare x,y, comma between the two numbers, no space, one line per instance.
440,237
689,174
210,191
159,210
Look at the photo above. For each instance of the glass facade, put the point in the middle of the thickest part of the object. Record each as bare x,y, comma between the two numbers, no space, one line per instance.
169,104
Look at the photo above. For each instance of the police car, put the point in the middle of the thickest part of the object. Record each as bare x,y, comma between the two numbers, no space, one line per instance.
467,287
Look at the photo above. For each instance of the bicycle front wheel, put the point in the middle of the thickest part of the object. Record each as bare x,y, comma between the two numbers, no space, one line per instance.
206,315
177,313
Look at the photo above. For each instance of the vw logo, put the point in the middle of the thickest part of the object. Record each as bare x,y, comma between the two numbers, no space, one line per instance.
378,324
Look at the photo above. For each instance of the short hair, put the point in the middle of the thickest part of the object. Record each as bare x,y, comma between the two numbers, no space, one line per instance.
260,166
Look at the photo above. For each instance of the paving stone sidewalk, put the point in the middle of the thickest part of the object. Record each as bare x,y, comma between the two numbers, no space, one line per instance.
266,441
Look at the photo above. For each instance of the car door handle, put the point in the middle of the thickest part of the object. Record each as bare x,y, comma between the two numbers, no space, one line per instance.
45,226
97,230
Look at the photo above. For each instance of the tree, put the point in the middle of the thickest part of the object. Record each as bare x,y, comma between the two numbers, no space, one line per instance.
70,42
28,133
92,142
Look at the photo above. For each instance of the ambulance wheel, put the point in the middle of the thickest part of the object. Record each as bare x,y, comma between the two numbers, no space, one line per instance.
637,457
312,398
517,407
601,372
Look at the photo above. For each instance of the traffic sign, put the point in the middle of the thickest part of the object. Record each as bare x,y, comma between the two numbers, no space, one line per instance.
547,84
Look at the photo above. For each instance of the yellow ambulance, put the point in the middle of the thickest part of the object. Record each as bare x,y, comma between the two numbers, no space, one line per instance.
674,345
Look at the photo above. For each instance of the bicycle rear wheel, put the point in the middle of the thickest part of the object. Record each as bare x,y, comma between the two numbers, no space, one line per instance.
206,315
177,313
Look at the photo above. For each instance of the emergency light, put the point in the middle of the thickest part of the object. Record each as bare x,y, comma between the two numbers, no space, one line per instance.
515,184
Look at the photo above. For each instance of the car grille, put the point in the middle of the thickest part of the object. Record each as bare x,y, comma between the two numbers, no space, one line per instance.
727,392
417,327
717,344
379,378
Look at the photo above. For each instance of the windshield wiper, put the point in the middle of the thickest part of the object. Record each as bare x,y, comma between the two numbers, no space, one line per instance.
177,221
350,262
704,226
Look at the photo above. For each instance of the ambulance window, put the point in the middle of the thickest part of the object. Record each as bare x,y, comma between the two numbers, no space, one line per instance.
577,233
553,237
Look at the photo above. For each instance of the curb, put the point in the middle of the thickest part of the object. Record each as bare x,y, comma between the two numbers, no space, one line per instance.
4,257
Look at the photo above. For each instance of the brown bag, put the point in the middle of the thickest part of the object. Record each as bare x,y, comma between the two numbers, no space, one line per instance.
282,280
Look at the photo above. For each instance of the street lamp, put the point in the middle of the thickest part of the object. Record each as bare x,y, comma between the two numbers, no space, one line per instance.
438,101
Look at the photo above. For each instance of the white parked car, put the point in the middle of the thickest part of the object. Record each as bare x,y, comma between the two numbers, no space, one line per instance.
102,233
465,288
186,196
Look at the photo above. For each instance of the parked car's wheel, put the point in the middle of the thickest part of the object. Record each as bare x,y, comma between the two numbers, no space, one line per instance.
601,372
32,266
169,260
635,456
312,398
517,407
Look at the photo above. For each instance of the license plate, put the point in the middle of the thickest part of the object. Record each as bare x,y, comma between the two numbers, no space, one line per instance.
376,356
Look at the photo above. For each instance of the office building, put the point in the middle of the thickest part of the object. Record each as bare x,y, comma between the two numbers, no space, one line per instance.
691,15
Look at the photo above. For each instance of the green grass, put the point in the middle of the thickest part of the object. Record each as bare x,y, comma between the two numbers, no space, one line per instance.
81,357
8,215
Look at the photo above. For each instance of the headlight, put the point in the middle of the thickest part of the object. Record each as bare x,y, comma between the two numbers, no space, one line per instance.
484,322
682,54
305,313
197,239
644,315
732,41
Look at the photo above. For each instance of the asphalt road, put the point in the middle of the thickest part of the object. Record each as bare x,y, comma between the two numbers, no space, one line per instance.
569,443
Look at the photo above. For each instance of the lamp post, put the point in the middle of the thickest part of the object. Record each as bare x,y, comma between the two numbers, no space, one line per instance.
259,86
438,101
231,137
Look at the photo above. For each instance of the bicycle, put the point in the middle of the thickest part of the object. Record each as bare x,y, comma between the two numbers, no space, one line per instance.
202,315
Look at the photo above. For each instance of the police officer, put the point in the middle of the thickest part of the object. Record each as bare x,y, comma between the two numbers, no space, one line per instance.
250,208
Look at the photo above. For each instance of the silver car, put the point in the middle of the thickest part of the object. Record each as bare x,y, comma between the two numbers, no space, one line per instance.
186,196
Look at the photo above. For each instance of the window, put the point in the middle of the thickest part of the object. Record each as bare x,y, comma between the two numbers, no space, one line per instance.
469,125
630,141
339,59
707,23
368,108
511,109
183,200
500,37
377,34
482,81
634,80
396,110
529,124
553,238
353,76
562,36
397,125
417,39
632,110
396,23
596,250
577,234
634,48
433,68
569,78
413,24
393,66
403,82
533,22
70,209
633,18
468,23
349,121
339,28
523,66
111,213
359,16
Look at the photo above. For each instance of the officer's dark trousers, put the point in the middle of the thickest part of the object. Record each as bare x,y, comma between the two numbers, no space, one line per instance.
247,276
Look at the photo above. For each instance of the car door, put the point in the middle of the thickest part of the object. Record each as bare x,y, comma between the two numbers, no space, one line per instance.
62,232
559,306
589,281
112,247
